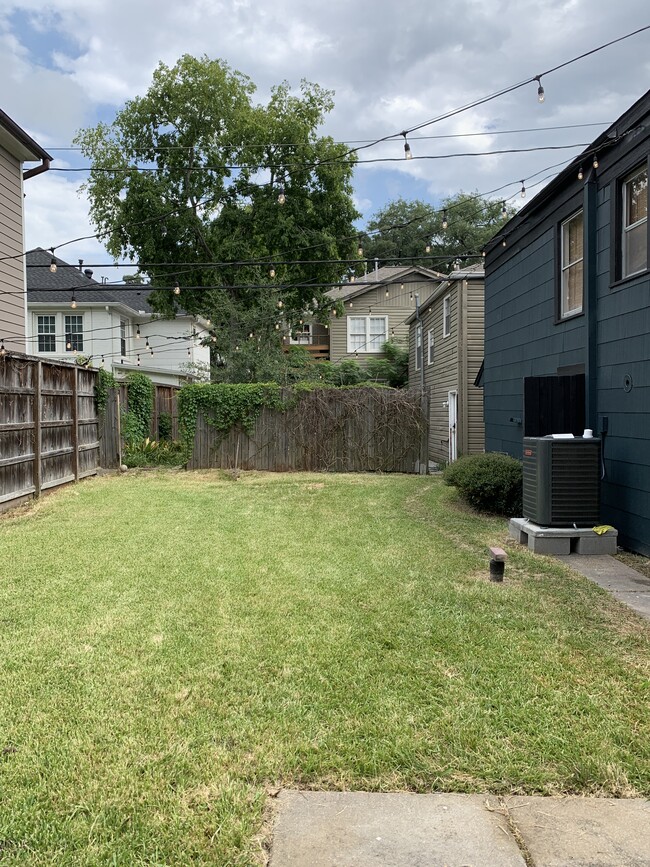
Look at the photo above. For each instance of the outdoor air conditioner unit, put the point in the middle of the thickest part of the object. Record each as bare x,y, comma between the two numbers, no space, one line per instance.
562,481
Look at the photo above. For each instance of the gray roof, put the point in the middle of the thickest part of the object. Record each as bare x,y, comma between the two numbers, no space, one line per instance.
56,288
19,142
383,275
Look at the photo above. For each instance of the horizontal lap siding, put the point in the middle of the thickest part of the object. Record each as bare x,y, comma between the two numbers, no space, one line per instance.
12,306
475,351
441,377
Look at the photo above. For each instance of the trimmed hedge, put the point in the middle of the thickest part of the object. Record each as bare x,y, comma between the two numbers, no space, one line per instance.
490,482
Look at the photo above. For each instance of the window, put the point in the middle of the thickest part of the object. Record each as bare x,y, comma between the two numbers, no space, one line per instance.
430,346
367,333
301,334
446,316
418,346
74,339
46,334
572,280
634,243
123,326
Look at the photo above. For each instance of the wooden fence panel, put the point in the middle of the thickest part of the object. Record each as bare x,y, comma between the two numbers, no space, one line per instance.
48,425
364,430
110,436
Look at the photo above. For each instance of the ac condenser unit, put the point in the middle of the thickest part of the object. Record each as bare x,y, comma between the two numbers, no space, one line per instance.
562,481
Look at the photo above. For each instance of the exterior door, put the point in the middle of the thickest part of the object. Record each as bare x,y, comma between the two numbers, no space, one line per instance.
452,401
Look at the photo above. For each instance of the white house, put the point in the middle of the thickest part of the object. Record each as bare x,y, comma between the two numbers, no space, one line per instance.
70,314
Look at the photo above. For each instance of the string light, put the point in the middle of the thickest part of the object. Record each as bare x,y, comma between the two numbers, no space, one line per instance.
444,219
53,262
580,174
102,360
189,352
281,195
137,333
146,344
427,249
3,351
595,162
280,304
352,278
350,304
504,210
503,243
177,288
138,361
214,338
73,303
68,345
271,271
387,293
277,326
407,148
540,89
152,352
360,249
208,322
523,190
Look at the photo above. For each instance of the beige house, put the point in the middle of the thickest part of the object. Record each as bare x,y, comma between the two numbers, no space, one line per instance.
16,148
445,357
376,308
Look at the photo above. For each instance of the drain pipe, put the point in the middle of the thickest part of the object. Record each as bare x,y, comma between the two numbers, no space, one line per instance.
591,300
38,170
419,322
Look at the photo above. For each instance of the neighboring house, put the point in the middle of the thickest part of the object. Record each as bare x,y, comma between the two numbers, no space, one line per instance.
16,148
114,326
445,356
376,309
567,312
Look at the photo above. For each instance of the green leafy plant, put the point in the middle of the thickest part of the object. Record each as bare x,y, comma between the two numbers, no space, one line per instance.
136,422
393,369
490,483
164,426
153,453
104,382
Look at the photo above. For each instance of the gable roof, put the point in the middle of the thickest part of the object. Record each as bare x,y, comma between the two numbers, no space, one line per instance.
614,133
43,286
18,142
383,275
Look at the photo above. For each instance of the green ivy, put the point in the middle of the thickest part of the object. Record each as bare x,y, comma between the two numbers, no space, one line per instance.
140,401
103,383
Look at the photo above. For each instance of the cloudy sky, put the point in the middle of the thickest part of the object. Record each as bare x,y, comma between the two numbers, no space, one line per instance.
70,63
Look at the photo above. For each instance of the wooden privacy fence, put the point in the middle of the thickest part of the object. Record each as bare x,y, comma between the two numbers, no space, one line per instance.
336,430
164,403
49,429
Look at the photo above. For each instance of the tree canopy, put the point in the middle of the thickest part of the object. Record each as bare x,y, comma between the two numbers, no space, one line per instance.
191,174
400,232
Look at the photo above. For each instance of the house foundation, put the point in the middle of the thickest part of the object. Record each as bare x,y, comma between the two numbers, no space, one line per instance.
562,540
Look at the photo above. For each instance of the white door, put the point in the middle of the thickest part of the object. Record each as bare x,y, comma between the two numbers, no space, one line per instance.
453,425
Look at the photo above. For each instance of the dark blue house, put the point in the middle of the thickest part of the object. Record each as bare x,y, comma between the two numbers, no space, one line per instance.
567,318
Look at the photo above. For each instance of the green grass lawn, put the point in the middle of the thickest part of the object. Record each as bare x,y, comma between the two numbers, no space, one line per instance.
174,646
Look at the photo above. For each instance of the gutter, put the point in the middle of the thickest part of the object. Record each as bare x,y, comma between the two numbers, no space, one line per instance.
38,170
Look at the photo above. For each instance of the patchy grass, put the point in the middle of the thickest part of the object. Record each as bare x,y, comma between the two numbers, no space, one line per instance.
174,645
635,561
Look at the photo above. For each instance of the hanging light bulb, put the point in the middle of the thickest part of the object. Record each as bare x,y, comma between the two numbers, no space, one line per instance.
407,148
351,304
3,351
102,360
352,278
281,196
595,162
540,89
208,322
504,212
387,293
427,249
444,219
580,174
271,271
360,249
280,304
411,296
68,345
214,338
236,347
138,361
146,344
392,332
152,352
73,303
53,262
137,333
277,326
177,288
334,311
250,335
356,354
503,243
189,352
483,253
523,190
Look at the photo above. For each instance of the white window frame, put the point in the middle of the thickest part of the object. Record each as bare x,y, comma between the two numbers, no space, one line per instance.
304,331
45,334
430,346
365,348
418,346
67,331
446,316
124,338
568,268
625,229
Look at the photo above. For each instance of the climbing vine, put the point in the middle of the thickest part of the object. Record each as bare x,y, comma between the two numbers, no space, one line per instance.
140,400
103,383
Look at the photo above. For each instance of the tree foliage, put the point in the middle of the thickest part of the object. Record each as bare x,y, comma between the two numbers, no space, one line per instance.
402,230
191,172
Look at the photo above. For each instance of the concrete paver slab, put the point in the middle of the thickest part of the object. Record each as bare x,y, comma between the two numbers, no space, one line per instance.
583,832
362,829
624,583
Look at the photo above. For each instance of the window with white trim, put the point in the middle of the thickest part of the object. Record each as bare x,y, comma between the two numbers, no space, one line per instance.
446,316
367,333
418,346
430,346
634,242
123,334
301,334
74,333
46,329
572,266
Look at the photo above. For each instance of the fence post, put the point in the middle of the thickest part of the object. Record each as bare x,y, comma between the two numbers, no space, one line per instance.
36,413
75,423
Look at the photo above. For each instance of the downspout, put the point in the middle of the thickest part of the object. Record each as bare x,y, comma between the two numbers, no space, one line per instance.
591,299
38,170
419,324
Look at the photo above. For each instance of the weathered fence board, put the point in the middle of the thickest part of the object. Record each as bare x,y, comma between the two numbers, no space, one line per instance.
360,430
48,425
164,403
110,438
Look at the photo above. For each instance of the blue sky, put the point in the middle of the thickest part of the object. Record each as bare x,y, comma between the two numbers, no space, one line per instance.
70,63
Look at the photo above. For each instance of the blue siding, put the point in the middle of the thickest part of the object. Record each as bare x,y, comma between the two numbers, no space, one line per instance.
522,337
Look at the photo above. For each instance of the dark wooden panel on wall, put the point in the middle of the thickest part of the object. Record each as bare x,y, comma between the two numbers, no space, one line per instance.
554,404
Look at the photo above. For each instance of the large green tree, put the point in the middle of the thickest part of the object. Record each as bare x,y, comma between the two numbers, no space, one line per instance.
191,173
402,231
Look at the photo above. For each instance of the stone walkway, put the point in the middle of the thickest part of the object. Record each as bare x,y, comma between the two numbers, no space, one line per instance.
361,829
624,583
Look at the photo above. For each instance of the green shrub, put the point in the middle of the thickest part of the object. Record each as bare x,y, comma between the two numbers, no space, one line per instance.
164,426
151,453
490,483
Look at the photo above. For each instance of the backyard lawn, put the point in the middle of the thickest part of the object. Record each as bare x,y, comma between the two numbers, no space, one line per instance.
176,646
